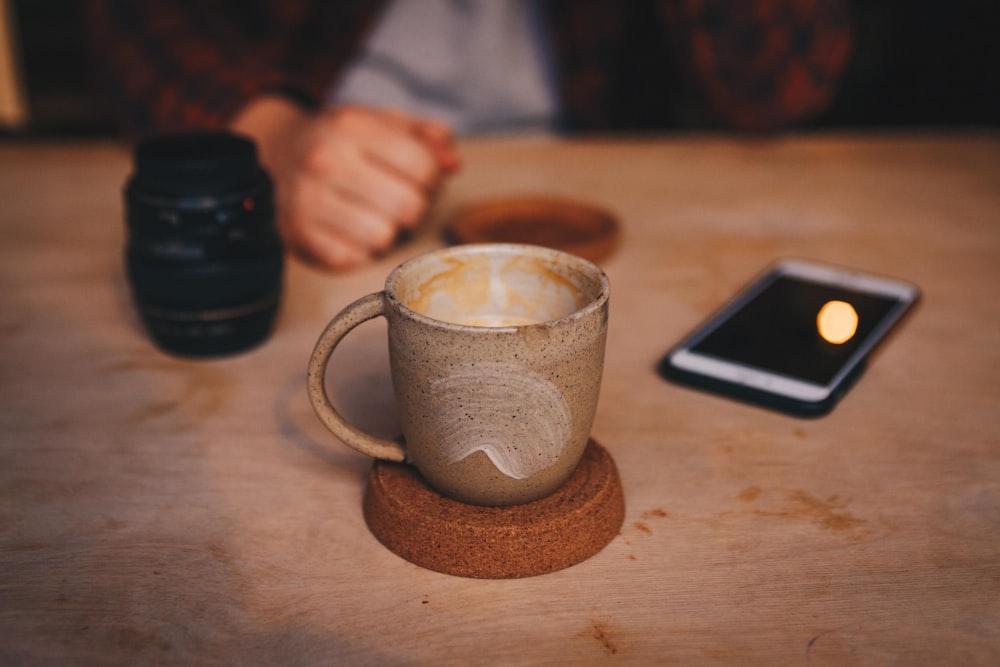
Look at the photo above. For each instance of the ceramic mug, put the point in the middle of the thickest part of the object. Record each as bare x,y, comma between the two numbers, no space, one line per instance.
496,353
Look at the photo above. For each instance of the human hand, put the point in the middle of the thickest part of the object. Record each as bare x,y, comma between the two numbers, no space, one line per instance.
347,180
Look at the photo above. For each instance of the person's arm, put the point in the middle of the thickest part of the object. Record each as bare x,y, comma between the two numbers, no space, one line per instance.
347,181
762,65
194,64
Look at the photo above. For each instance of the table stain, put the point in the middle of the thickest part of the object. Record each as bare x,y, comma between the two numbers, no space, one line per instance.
604,634
829,514
648,516
645,525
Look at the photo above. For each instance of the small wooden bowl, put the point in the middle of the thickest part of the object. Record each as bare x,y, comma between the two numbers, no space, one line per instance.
585,230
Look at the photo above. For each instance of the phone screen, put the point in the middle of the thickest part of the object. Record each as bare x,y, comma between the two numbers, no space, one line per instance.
801,329
795,340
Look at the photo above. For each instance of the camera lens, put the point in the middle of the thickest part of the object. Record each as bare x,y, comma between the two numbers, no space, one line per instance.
203,257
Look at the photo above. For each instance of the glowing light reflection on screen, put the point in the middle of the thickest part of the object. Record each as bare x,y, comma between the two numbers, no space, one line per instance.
837,322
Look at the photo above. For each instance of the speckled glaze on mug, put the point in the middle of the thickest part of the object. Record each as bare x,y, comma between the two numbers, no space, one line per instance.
496,353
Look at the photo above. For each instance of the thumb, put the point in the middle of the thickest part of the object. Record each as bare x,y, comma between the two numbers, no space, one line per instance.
440,140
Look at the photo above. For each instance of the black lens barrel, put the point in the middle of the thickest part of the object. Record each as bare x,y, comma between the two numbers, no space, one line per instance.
203,257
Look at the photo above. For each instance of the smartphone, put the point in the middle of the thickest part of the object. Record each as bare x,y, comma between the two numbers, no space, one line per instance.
795,339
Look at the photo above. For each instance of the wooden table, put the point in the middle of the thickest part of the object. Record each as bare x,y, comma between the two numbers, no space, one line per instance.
158,510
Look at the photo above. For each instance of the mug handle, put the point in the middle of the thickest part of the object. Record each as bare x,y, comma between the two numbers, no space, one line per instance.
362,310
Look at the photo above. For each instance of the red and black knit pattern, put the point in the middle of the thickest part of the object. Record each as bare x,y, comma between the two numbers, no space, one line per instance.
766,63
755,65
758,65
191,64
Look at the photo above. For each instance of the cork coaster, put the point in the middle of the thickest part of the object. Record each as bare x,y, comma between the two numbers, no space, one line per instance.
569,526
582,229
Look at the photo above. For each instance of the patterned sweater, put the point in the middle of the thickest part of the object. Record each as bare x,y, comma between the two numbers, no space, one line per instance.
754,65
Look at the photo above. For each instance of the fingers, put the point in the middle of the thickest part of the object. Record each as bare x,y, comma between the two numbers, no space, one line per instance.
352,178
436,136
385,144
360,176
334,229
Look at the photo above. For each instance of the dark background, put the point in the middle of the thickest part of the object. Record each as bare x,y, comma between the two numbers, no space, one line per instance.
918,63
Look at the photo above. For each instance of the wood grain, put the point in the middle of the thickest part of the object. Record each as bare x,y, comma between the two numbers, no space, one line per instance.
163,511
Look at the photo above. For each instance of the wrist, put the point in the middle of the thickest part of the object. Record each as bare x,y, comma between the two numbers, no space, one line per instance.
269,120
